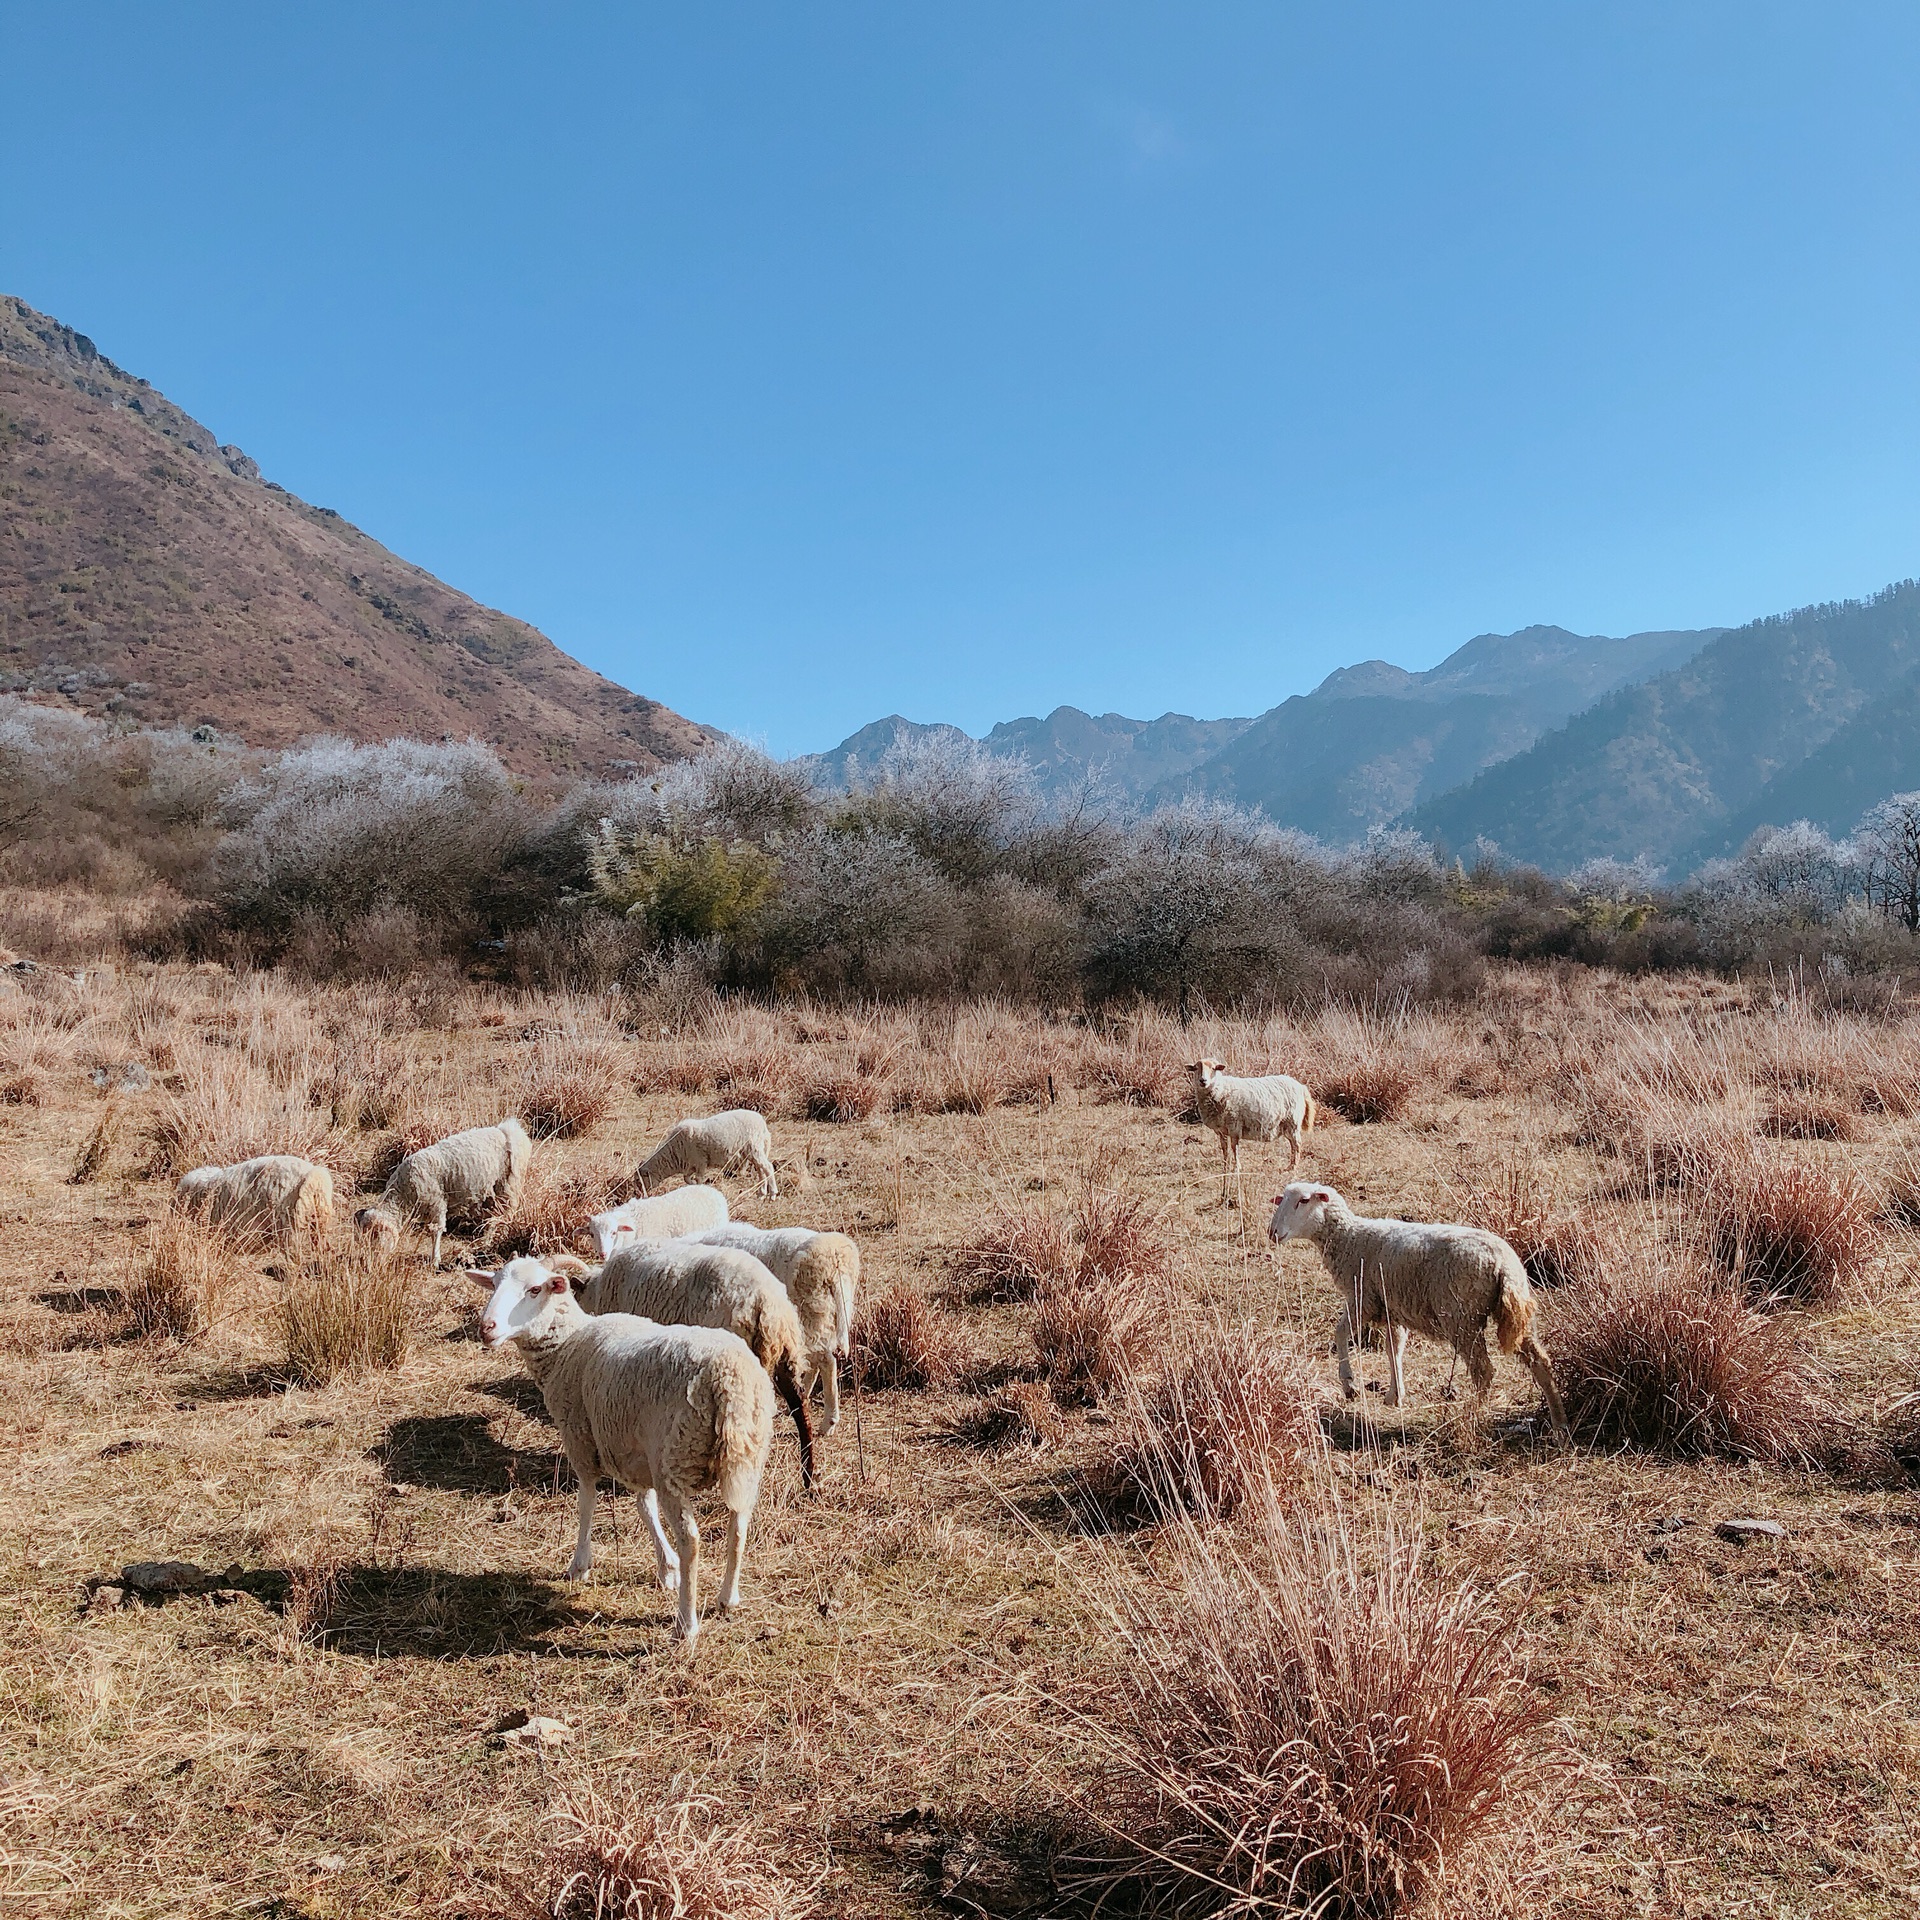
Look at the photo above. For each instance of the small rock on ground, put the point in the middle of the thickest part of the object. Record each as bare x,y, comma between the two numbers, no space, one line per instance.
524,1729
1744,1530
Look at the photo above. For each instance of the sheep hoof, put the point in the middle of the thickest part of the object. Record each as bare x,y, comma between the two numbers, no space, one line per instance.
821,1432
1352,1393
577,1570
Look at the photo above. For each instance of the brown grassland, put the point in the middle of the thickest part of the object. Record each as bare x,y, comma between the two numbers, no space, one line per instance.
960,1672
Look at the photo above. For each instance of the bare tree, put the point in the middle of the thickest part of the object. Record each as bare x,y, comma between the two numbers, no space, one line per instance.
1888,838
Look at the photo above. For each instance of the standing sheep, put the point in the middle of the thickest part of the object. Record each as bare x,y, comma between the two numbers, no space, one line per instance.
821,1271
716,1144
274,1194
681,1283
671,1412
1445,1282
1267,1108
667,1216
458,1178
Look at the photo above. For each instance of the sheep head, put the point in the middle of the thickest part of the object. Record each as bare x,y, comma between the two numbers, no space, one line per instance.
521,1298
1301,1212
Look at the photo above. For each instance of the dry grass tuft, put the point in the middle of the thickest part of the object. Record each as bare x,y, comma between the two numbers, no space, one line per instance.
1023,1251
567,1088
346,1313
1306,1721
1236,1415
1900,1185
24,1087
1022,1413
1786,1231
900,1340
637,1858
1368,1091
847,1098
1140,1062
96,1147
1089,1332
1554,1246
179,1279
1805,1115
1670,1359
553,1210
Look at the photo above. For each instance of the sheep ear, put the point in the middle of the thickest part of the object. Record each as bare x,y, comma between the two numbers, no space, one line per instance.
479,1276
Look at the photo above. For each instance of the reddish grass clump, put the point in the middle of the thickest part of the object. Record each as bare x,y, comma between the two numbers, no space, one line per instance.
1308,1722
1236,1415
1673,1360
1807,1115
1023,1251
1368,1091
899,1340
1088,1333
843,1097
552,1212
567,1089
1554,1246
672,1859
1787,1232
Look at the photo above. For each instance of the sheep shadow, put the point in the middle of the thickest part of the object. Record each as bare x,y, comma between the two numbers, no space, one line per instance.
519,1393
75,1300
386,1612
457,1453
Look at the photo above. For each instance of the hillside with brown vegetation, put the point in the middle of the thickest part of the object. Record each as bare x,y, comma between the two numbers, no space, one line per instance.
149,573
1102,1577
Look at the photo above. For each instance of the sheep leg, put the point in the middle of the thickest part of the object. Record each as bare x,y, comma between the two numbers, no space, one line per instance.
1343,1346
736,1550
830,1392
665,1559
1293,1151
769,1180
439,1225
1396,1361
1535,1355
686,1532
788,1388
582,1563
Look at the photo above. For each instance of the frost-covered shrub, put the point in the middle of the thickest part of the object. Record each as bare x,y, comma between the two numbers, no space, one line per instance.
334,831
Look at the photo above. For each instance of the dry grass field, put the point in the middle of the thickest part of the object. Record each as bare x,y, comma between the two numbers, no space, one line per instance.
994,1647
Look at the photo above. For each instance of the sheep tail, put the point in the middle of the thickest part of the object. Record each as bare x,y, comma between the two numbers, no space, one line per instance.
736,1436
786,1383
1513,1311
1313,1113
313,1205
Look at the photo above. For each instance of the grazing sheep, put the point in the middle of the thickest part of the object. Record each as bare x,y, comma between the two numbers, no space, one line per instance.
670,1412
1264,1109
667,1216
716,1144
821,1271
681,1283
1442,1281
273,1194
459,1178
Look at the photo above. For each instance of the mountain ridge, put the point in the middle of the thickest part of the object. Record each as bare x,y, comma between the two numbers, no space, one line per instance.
150,573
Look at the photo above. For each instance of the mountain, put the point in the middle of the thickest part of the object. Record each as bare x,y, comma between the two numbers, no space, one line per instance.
1068,746
1373,740
147,571
1803,713
1127,757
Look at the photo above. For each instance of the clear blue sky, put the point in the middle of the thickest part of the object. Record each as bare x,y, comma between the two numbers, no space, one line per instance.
800,363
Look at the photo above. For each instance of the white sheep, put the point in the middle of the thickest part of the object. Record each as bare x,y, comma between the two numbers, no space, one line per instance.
670,1412
458,1178
1267,1108
276,1194
821,1271
716,1144
1445,1282
666,1216
681,1283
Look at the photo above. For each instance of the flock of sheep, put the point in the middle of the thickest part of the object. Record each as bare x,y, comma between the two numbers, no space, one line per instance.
660,1366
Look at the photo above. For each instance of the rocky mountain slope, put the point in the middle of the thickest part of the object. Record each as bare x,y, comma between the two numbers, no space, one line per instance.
148,571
